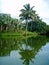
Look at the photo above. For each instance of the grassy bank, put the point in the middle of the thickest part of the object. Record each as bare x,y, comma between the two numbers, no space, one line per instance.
17,34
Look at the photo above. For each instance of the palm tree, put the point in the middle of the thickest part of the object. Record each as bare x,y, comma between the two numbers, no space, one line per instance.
1,21
4,21
26,14
7,21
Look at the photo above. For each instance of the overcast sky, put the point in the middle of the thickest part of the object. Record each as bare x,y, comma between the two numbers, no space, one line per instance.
13,7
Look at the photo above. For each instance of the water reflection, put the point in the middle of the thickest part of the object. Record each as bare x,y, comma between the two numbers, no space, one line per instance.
24,50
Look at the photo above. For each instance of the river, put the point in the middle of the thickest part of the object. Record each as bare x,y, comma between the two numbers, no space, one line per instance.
28,51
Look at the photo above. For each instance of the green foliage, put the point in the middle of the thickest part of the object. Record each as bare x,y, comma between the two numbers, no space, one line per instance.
15,34
27,12
32,22
7,23
36,24
4,18
39,27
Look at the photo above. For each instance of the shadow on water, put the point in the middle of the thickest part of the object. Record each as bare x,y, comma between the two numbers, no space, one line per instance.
28,47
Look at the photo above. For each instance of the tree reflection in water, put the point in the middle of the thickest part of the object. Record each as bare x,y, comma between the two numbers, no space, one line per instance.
28,47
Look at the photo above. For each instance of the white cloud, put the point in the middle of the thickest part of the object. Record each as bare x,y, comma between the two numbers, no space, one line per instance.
14,6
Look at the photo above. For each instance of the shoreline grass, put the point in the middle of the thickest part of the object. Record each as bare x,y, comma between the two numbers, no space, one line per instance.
17,34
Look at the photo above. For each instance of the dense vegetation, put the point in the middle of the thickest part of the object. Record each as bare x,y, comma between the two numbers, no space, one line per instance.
32,22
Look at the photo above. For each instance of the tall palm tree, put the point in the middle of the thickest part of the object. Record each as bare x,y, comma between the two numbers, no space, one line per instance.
26,14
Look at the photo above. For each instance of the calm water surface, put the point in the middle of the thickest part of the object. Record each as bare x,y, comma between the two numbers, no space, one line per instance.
28,51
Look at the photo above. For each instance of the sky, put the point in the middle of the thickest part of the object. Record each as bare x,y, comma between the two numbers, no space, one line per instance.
13,7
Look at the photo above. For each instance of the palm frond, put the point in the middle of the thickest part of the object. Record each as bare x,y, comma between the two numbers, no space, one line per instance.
32,7
27,6
22,10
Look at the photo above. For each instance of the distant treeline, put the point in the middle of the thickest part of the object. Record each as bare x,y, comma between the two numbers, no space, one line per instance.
32,22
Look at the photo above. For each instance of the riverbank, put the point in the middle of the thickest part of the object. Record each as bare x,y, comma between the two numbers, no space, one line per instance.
17,34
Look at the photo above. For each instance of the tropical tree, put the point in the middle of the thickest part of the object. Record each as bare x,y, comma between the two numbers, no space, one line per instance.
27,14
20,25
5,19
13,24
38,26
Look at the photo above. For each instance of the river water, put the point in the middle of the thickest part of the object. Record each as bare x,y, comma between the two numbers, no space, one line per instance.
28,51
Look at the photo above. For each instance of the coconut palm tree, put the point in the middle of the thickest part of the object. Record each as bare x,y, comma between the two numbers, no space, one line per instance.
1,21
27,13
4,21
7,21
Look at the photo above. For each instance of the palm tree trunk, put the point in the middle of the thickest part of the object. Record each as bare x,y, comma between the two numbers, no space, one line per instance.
26,26
17,27
32,23
1,27
31,26
6,29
